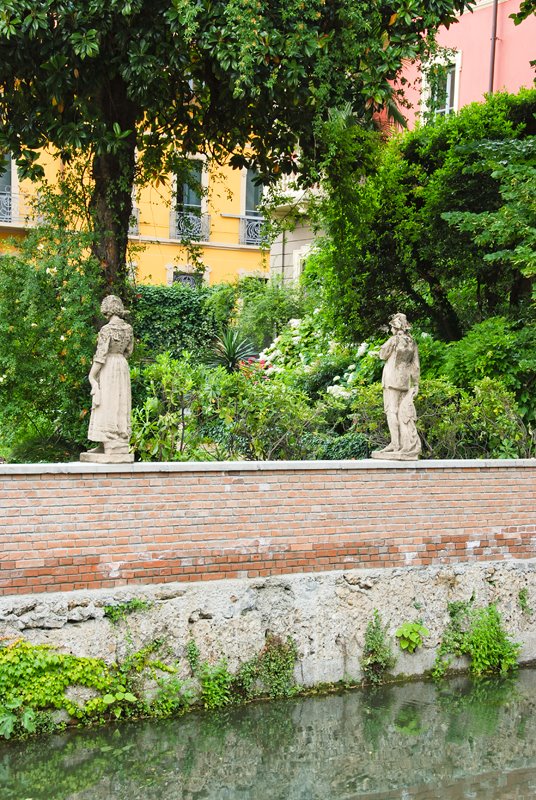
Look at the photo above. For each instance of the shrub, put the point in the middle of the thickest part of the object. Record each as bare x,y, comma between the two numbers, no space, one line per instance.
501,350
477,633
351,445
175,319
193,412
452,422
49,295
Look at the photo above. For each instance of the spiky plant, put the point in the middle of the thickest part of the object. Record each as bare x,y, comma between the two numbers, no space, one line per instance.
230,349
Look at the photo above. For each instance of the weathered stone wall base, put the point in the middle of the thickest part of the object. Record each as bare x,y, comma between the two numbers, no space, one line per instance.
325,613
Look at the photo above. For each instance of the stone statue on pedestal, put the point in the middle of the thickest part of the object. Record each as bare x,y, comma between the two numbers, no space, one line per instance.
109,377
400,381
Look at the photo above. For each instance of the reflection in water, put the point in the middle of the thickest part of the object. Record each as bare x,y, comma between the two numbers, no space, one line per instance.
412,742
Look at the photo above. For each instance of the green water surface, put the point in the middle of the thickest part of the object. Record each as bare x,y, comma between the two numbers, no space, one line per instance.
411,742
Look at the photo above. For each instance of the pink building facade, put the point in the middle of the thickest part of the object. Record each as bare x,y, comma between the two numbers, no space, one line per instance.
473,67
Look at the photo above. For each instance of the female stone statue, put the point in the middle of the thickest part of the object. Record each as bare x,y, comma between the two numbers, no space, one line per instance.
109,377
400,381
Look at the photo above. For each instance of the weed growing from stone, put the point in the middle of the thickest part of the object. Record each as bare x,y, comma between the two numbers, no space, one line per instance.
477,633
120,611
523,599
378,657
410,635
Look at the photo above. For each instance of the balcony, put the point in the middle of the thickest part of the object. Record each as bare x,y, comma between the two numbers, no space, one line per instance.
251,231
189,226
15,209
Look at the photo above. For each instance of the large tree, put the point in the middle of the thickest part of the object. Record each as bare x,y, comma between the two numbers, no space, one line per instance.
138,84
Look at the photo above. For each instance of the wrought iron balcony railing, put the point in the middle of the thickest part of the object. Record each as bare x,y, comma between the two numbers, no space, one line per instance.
189,226
15,209
251,231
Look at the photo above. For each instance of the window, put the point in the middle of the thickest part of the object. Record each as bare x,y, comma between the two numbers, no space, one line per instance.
252,221
190,190
441,84
186,278
188,221
253,194
442,90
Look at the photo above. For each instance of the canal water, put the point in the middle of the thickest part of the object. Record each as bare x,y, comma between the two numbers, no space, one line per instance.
411,742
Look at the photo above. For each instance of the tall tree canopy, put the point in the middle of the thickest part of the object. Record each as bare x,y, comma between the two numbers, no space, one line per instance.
165,78
439,221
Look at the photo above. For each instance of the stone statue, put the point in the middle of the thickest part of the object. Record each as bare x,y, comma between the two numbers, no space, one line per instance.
109,377
400,381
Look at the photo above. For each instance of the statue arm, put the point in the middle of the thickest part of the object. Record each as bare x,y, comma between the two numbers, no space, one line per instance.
98,361
387,348
130,345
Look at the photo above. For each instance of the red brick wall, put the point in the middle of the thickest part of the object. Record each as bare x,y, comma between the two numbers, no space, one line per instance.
90,528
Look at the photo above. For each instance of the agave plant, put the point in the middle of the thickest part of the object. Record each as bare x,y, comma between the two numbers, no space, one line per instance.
230,349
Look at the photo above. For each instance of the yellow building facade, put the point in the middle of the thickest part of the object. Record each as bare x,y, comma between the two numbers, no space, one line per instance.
219,219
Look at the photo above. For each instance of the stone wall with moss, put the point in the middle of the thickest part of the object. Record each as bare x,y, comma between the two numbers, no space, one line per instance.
325,614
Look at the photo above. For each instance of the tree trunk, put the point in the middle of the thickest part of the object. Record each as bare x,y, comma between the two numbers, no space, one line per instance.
113,175
440,311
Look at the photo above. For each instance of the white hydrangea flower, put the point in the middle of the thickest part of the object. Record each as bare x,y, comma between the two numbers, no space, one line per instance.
294,323
338,391
362,349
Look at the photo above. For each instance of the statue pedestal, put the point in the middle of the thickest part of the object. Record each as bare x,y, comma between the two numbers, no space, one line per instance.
107,458
394,455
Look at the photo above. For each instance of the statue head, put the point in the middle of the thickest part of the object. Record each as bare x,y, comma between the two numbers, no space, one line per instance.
399,322
113,305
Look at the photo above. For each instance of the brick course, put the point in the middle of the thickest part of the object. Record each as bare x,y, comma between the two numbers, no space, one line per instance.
68,527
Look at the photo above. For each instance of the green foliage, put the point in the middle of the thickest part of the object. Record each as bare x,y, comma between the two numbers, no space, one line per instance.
176,318
48,303
120,611
507,235
215,681
192,412
410,635
230,350
452,422
167,425
35,678
269,673
477,633
192,655
264,309
173,697
275,666
523,600
261,78
349,445
377,658
387,246
498,349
